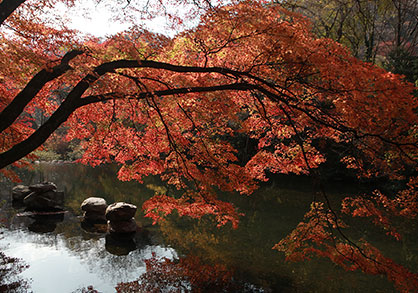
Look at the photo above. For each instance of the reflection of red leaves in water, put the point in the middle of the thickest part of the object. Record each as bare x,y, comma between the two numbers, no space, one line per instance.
381,208
316,237
186,275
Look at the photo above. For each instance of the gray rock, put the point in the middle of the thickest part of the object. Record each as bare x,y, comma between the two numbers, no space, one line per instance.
49,200
94,205
122,227
120,211
43,187
57,196
94,217
19,192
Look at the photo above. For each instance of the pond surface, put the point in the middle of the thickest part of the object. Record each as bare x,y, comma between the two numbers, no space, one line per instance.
64,257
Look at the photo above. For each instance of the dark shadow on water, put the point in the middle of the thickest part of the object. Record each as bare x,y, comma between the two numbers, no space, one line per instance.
117,245
45,223
94,227
123,243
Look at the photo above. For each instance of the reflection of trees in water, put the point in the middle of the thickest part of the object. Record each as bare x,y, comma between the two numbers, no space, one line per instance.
187,274
112,267
270,214
66,236
90,248
91,253
80,182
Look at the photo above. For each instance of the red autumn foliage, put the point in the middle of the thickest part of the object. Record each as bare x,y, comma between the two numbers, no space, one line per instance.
174,107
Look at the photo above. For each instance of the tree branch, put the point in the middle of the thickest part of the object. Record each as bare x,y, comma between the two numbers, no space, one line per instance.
22,99
73,102
74,99
169,92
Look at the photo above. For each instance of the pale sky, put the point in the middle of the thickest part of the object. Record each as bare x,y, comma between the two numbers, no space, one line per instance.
91,18
96,19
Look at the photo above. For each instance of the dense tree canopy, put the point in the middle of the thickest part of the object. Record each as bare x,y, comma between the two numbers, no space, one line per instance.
178,107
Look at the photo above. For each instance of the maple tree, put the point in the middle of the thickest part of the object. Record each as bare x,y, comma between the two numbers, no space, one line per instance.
175,106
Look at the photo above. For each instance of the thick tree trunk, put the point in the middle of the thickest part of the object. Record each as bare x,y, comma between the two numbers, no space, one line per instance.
34,141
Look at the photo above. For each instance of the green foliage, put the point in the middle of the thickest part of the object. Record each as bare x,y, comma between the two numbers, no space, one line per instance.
74,152
401,61
60,151
47,155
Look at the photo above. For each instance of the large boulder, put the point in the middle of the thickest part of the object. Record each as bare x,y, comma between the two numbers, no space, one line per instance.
120,211
50,200
19,192
94,204
39,197
94,208
94,217
122,227
43,187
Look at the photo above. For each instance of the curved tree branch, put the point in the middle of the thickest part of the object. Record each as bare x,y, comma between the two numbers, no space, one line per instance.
75,100
22,99
175,91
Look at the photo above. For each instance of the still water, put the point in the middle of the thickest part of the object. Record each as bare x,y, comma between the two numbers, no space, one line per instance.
64,257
